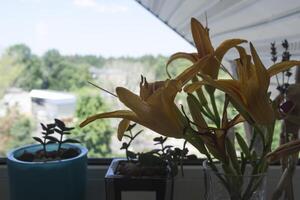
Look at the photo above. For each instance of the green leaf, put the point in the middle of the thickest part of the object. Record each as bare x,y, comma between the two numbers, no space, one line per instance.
196,111
167,147
244,162
50,142
200,94
58,131
198,143
131,126
131,155
164,140
177,151
38,140
155,151
71,141
43,126
192,157
254,158
232,155
68,129
158,139
148,159
60,124
51,138
50,132
50,126
243,145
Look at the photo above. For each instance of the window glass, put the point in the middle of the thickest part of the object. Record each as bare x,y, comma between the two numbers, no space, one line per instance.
49,50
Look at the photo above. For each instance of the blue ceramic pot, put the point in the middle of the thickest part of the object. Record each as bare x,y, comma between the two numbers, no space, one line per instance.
59,180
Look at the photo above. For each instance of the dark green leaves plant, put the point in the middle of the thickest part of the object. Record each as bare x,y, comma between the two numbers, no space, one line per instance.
164,156
47,135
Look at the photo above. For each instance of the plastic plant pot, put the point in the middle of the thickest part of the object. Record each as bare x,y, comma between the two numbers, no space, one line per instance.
117,186
59,180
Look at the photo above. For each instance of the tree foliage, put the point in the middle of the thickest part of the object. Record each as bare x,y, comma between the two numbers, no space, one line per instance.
15,130
52,71
97,136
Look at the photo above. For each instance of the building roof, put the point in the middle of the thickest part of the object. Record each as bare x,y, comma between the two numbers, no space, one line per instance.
53,96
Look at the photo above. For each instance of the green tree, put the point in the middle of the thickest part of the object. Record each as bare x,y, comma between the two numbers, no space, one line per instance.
15,130
68,77
95,136
12,63
33,76
53,71
20,52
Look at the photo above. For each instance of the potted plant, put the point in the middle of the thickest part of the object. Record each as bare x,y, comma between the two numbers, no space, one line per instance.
53,169
152,171
205,123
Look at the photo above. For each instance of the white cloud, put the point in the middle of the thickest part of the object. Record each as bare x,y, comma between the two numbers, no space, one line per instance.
103,8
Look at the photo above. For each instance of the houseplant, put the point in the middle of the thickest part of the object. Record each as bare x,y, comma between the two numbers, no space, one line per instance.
53,169
151,171
290,124
204,126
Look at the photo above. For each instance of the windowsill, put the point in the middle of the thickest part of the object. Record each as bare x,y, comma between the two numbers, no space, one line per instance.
107,161
191,186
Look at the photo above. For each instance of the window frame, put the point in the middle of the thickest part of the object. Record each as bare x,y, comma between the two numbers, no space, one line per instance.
107,161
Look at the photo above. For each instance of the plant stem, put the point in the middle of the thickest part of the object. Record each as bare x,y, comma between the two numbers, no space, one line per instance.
44,147
215,109
127,157
60,142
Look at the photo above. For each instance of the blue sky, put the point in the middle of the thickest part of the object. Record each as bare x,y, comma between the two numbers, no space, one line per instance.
108,28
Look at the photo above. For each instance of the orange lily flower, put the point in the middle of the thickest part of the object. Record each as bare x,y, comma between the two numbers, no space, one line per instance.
250,90
155,107
204,47
158,112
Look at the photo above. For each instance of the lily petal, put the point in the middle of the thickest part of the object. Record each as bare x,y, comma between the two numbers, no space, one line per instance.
147,89
231,87
190,88
236,120
132,101
192,71
123,125
226,46
282,66
201,38
261,72
213,69
181,55
245,59
284,150
125,114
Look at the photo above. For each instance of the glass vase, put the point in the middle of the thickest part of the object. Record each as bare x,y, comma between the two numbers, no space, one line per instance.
221,186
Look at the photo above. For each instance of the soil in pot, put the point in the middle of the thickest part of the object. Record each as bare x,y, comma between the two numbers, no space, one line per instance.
41,156
136,169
